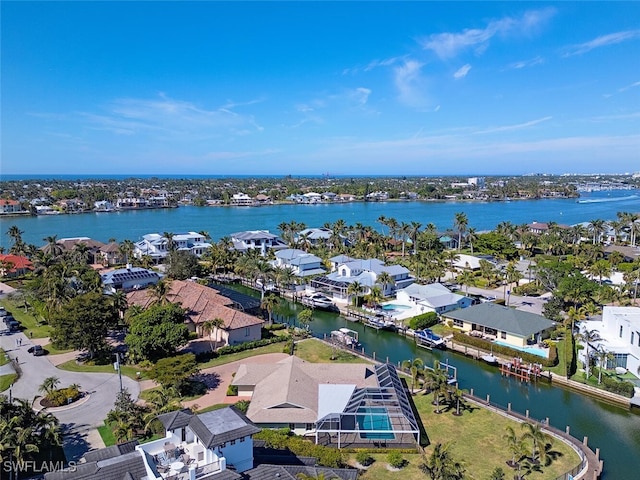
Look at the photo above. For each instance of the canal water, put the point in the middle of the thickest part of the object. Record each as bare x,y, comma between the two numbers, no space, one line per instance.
614,430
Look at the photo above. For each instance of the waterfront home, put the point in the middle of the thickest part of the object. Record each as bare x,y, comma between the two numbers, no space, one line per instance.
10,206
156,245
128,279
466,262
314,236
216,445
506,325
347,270
74,243
103,206
241,200
431,298
301,263
111,254
336,404
619,330
14,265
204,303
260,240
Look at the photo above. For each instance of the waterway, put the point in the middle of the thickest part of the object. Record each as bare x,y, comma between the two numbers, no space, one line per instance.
222,221
615,431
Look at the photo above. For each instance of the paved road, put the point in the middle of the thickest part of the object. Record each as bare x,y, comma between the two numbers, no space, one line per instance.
80,420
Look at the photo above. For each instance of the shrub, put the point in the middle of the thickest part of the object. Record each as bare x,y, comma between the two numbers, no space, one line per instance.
394,458
283,439
460,337
364,459
208,355
63,396
620,387
232,391
422,321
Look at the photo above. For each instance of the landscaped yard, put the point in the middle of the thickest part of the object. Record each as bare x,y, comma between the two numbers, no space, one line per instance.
232,357
29,323
128,370
477,441
7,380
315,351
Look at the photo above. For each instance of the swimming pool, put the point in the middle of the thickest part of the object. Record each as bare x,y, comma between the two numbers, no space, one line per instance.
395,306
376,419
540,352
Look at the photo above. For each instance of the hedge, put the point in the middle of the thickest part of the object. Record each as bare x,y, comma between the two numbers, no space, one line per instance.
464,339
283,440
204,356
616,386
424,320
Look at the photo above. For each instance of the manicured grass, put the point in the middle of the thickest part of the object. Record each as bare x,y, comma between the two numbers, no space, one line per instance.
232,357
196,386
561,368
73,366
51,350
30,324
315,351
7,380
3,359
107,435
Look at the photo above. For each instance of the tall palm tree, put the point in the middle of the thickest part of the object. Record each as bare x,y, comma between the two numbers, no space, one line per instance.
534,433
436,381
269,303
597,228
49,385
415,367
355,290
213,326
460,224
603,356
160,292
588,336
385,279
52,247
441,465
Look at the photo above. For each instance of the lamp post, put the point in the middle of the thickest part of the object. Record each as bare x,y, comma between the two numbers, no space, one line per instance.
117,367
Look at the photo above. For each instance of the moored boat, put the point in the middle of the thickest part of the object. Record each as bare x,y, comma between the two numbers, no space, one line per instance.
318,300
426,338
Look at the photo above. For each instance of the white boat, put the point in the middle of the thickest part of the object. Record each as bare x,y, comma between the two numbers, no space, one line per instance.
346,336
489,358
318,300
381,323
426,338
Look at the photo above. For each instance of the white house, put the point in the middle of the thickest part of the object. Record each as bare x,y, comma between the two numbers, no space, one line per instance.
366,272
242,199
432,298
127,279
257,239
619,330
301,263
156,245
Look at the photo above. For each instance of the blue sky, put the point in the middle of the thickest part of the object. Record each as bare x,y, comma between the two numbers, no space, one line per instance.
415,88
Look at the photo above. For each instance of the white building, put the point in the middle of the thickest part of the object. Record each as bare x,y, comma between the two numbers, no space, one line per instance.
301,263
432,298
619,330
127,279
156,245
257,239
242,199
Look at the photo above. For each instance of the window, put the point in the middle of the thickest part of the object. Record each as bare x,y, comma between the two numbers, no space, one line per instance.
503,335
620,331
247,331
458,323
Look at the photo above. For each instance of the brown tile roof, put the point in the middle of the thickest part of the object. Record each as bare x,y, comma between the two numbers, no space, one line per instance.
202,303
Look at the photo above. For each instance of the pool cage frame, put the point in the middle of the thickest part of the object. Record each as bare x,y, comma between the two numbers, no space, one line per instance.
384,411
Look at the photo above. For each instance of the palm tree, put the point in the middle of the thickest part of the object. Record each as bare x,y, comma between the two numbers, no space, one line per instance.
160,292
49,385
597,228
436,380
600,268
355,289
416,367
441,465
211,326
515,446
385,279
467,279
460,224
534,433
52,247
603,356
270,303
588,336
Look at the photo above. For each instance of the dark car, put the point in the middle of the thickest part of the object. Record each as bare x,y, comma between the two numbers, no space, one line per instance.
12,324
36,350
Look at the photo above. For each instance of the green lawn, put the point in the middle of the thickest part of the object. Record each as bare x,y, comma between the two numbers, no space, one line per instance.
107,435
315,351
561,368
3,358
73,366
51,350
232,357
30,324
210,408
7,380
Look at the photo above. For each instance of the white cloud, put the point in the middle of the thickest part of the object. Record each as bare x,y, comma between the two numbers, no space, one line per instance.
447,45
602,41
462,71
410,84
526,63
518,126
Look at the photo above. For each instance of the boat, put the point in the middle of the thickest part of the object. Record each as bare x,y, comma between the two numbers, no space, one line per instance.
346,336
427,339
318,300
381,323
489,358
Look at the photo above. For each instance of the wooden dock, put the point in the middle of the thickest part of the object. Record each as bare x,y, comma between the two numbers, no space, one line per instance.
524,372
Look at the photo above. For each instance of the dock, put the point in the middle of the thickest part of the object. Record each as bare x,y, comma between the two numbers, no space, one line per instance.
524,372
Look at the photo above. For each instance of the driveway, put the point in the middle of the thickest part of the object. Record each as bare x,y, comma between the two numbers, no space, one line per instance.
80,420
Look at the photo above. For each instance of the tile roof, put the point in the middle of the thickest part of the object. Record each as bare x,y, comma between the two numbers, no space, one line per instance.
114,468
19,262
202,303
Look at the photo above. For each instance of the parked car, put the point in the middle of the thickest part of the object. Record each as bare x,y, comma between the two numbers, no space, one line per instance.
12,324
36,350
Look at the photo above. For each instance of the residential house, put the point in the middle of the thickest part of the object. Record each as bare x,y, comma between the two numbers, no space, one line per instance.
241,200
128,279
365,272
14,265
301,263
93,247
341,405
216,445
103,206
156,245
260,240
314,236
619,330
111,254
204,303
10,206
431,298
512,327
